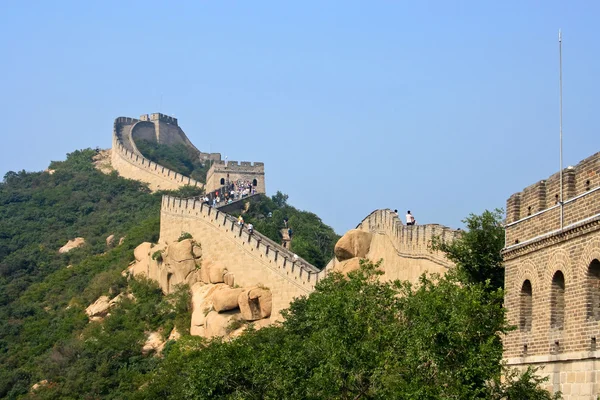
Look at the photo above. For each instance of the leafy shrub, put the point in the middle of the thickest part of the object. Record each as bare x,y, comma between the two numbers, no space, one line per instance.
184,235
157,255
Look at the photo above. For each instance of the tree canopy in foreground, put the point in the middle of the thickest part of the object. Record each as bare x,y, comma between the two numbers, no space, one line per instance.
358,338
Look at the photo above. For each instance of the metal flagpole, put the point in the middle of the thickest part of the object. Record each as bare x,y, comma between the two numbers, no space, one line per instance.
561,129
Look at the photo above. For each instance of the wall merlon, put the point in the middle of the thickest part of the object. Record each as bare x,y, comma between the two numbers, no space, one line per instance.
412,241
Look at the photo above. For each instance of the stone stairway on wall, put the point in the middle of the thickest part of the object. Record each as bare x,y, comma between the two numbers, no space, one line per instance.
196,209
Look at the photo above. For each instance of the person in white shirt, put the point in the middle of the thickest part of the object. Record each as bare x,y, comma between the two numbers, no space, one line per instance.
410,220
250,228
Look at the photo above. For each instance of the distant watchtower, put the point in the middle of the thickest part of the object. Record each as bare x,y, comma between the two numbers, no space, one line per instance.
223,173
552,285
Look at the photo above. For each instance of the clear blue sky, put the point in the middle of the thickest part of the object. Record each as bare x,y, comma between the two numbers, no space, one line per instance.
441,107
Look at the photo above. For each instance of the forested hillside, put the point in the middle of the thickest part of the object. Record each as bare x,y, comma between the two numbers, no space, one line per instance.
312,239
45,335
178,158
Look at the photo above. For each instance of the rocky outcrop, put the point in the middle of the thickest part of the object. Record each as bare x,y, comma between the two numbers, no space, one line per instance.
218,309
154,342
39,385
220,324
202,305
99,309
72,244
355,243
110,240
255,303
348,266
172,265
102,161
226,299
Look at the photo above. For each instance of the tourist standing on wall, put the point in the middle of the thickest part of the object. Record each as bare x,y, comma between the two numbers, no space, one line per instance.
250,228
410,220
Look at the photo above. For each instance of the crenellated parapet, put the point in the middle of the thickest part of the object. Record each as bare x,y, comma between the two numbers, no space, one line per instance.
537,211
223,172
253,258
552,279
130,163
413,241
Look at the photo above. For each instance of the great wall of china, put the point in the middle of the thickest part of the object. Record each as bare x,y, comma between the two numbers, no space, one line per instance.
552,252
254,259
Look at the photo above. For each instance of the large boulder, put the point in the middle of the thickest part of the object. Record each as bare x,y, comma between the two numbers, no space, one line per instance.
347,266
202,304
355,243
221,324
99,308
181,251
154,342
180,265
255,303
226,299
205,271
229,279
110,240
72,244
142,251
216,273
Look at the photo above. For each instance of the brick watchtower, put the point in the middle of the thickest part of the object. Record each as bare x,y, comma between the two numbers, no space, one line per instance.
223,172
552,289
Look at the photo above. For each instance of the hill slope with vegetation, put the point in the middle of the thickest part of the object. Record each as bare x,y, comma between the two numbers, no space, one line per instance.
45,334
312,239
178,158
353,338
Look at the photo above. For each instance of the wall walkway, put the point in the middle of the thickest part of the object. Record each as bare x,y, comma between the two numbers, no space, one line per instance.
252,258
405,250
130,163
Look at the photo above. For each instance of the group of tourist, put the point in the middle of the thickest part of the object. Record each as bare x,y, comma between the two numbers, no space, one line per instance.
240,189
230,193
410,219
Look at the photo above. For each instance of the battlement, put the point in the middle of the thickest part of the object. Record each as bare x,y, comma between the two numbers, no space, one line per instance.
552,278
410,241
222,173
159,117
235,165
130,163
537,210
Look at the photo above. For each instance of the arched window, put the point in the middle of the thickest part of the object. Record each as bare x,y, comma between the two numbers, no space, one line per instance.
254,182
593,277
557,301
222,181
526,306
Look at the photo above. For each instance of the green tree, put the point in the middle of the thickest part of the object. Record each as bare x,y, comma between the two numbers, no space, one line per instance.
477,251
357,338
312,239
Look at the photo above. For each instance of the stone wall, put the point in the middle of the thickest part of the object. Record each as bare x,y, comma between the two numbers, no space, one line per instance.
552,280
253,259
405,250
536,210
220,173
130,163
